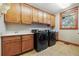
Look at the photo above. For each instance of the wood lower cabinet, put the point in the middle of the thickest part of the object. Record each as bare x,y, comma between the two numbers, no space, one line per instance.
26,14
27,43
13,14
11,45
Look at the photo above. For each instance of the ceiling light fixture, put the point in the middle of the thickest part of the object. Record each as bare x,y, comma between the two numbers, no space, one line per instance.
63,5
4,7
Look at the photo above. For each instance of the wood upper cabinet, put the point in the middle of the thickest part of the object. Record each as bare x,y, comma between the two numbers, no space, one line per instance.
26,14
11,45
35,15
27,43
48,19
52,20
40,16
45,18
13,14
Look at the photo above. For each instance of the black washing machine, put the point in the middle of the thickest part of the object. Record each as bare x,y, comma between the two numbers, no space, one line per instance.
52,38
40,40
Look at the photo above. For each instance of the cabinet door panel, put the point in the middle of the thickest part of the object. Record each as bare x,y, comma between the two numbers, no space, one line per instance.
13,14
10,49
48,18
40,16
27,45
24,45
45,18
35,15
11,45
26,14
52,20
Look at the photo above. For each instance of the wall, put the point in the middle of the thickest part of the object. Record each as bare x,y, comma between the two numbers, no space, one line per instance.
2,25
67,35
11,28
20,28
0,46
2,28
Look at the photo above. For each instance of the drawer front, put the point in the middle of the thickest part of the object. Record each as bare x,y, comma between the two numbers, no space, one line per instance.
11,39
26,37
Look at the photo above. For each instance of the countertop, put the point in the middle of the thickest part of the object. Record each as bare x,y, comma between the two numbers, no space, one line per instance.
12,34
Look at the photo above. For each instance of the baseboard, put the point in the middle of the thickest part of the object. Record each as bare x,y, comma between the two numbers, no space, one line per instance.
66,42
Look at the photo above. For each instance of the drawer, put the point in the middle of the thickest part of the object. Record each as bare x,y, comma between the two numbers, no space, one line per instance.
11,41
27,36
11,38
26,39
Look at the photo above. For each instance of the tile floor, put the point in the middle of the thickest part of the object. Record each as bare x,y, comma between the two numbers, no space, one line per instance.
59,49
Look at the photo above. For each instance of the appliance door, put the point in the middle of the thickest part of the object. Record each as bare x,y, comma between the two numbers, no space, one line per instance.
52,36
43,38
42,42
52,39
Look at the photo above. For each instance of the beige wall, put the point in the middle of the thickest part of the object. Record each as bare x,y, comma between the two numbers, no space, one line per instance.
2,28
67,35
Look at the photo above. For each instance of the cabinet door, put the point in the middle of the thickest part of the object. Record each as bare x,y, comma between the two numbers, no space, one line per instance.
13,14
26,14
40,16
52,20
27,43
48,19
35,15
45,18
11,46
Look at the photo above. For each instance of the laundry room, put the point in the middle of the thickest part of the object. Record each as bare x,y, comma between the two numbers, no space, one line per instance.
39,29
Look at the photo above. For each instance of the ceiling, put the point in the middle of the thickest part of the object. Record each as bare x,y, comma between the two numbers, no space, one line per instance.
51,7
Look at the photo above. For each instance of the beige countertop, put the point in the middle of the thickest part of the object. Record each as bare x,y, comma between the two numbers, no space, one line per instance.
12,34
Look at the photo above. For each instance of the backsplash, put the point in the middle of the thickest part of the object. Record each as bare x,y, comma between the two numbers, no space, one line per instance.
13,28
